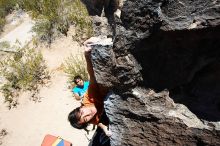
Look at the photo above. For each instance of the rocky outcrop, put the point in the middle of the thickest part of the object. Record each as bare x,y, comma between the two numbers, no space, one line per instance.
164,71
149,118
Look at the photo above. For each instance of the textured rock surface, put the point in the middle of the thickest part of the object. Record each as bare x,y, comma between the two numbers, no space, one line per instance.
149,118
163,44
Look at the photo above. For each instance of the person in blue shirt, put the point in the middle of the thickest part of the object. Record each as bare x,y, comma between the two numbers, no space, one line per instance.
81,87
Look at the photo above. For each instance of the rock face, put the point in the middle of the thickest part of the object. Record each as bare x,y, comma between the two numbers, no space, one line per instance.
164,71
149,118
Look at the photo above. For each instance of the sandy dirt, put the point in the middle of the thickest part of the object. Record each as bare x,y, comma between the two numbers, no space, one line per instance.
27,124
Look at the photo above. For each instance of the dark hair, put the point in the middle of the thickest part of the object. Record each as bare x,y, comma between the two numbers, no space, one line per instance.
74,118
77,78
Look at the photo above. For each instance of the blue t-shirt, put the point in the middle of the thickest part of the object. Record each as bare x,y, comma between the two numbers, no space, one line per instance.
81,90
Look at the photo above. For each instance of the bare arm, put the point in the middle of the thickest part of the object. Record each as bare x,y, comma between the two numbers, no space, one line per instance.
77,97
87,53
105,129
90,67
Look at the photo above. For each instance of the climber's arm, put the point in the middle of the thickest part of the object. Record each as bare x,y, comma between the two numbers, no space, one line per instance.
87,53
105,129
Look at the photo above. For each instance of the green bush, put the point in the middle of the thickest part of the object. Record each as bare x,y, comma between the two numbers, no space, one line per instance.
5,7
55,16
75,65
2,23
80,17
4,44
43,29
23,70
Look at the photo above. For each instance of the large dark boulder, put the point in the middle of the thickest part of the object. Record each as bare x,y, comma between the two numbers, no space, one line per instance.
164,72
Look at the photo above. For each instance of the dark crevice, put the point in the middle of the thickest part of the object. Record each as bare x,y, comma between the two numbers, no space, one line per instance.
202,94
137,117
187,63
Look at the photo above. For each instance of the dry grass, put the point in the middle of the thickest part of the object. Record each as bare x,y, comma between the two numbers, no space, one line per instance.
24,70
75,65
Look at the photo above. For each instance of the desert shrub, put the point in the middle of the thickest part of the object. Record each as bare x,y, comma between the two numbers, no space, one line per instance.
5,7
80,17
23,70
4,44
43,29
45,12
75,65
2,23
55,16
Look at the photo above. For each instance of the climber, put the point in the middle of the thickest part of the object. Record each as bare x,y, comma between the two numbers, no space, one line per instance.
92,107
